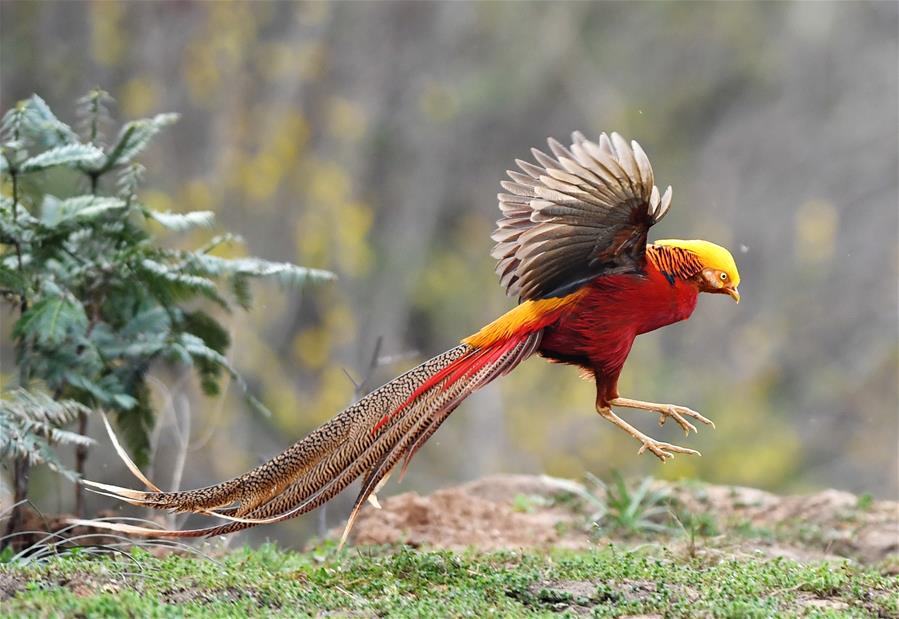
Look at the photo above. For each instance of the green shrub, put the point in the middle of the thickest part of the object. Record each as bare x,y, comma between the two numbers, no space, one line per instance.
98,299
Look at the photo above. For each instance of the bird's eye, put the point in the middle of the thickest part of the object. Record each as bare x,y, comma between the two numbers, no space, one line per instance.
724,277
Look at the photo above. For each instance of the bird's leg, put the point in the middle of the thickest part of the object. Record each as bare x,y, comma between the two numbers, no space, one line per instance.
607,395
678,413
662,451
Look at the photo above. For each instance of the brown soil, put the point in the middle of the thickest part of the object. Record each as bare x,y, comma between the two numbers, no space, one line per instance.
479,514
516,511
10,584
831,521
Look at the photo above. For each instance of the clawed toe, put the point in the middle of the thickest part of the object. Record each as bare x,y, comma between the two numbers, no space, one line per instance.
678,413
664,451
678,417
689,412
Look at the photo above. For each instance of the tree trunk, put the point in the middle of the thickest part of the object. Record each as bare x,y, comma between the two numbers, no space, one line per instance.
21,470
80,459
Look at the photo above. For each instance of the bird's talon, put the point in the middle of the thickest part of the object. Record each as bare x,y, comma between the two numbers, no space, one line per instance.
683,423
689,412
678,413
663,451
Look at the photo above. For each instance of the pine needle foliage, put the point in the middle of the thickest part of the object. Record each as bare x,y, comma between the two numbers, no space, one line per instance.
30,424
97,299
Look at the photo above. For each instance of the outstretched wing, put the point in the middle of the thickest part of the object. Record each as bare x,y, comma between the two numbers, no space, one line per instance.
568,219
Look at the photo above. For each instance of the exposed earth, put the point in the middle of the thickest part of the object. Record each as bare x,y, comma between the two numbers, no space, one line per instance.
520,511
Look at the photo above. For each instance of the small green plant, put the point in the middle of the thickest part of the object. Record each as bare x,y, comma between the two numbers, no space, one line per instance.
693,525
865,502
632,509
99,299
528,503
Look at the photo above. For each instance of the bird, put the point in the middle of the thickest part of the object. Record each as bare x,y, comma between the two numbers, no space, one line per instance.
572,247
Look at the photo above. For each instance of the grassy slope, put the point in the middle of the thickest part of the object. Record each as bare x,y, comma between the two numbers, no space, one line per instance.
608,581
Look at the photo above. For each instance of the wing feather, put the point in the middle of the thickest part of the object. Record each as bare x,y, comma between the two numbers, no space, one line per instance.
576,214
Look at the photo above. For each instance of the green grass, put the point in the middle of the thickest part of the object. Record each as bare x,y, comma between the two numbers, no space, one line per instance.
400,582
865,501
632,508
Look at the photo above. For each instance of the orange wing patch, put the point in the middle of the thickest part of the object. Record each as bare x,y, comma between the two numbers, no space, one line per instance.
526,317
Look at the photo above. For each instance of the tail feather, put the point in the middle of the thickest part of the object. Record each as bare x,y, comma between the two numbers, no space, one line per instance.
521,353
494,365
258,484
378,457
367,439
332,476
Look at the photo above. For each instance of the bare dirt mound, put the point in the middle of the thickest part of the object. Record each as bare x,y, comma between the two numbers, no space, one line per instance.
520,511
482,514
831,521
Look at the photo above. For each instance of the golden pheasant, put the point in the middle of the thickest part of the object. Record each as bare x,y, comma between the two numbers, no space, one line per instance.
572,248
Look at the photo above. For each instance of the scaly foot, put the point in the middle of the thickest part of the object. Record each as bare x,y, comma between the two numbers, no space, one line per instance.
678,413
663,451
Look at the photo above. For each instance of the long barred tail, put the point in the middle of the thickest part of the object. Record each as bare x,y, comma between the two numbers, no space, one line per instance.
368,438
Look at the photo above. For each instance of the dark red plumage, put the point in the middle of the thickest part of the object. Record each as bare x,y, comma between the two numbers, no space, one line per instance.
597,332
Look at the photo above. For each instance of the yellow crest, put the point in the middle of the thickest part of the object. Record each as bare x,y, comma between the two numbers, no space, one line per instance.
712,256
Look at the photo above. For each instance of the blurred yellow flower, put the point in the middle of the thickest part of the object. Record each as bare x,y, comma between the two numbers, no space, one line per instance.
139,97
312,347
346,119
106,32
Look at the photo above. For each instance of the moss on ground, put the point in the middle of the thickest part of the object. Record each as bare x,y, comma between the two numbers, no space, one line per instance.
400,582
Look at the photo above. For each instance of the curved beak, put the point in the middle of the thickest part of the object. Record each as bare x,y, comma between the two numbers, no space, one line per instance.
733,292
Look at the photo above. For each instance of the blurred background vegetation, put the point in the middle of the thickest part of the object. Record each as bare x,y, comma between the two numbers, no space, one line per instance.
369,139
